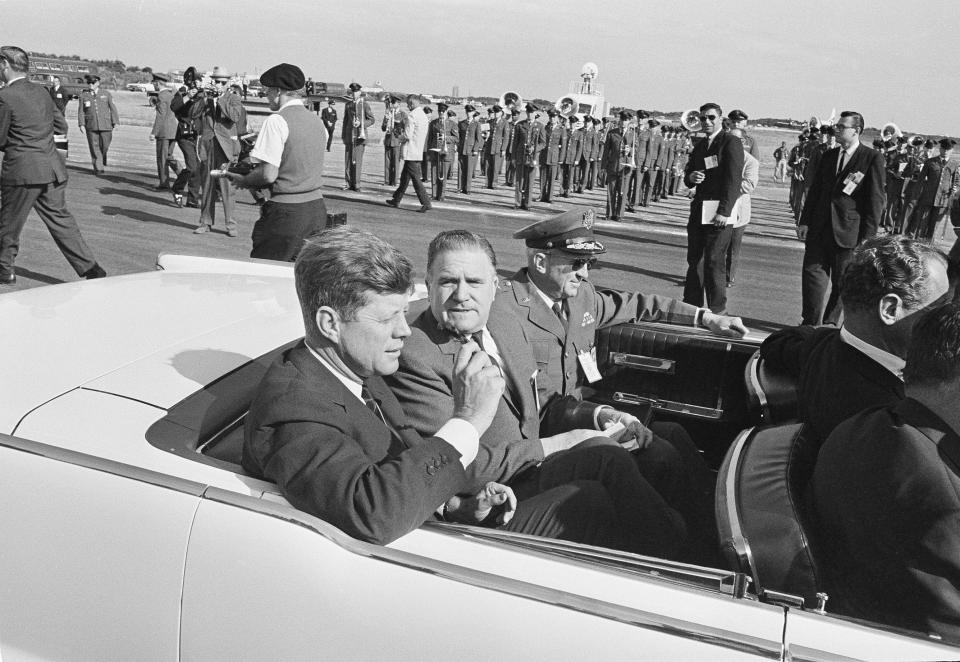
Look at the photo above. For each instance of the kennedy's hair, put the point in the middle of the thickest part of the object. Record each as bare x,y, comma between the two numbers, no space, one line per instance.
16,57
340,267
933,357
456,240
888,265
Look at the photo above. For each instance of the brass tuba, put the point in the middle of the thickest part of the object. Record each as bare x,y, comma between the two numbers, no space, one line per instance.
891,129
510,100
690,120
566,106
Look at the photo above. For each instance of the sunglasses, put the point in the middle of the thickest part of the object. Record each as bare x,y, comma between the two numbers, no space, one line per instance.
712,118
581,262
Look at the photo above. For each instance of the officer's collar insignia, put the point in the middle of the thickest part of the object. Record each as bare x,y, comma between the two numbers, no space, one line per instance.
588,218
587,319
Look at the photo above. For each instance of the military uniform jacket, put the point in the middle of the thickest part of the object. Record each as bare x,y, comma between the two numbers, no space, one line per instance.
352,109
653,151
392,138
96,111
937,178
643,146
556,345
555,141
468,134
663,158
612,158
451,136
528,137
574,147
588,145
508,138
497,142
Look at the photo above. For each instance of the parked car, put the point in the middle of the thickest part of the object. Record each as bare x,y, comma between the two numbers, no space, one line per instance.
130,531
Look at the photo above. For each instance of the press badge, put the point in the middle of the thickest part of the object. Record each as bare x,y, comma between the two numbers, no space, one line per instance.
86,104
710,162
851,181
588,363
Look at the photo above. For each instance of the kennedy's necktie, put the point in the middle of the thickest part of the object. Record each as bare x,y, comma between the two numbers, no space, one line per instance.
374,406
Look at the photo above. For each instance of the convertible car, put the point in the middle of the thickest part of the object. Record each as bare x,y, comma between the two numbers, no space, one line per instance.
130,531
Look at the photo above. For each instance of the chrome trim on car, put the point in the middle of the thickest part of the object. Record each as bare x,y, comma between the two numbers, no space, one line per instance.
737,538
770,649
644,363
753,374
669,405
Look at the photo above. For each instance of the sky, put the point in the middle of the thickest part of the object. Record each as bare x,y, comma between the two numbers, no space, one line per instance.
892,61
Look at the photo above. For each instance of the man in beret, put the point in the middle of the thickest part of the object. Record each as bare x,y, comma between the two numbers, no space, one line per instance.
97,116
496,145
357,119
392,127
289,160
529,140
468,147
329,117
164,131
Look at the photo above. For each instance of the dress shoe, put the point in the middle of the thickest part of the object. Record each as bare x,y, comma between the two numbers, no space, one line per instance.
424,209
96,271
8,279
201,229
192,204
232,233
391,202
163,187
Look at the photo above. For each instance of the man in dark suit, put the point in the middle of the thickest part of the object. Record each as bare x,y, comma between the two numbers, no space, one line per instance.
842,208
328,431
34,176
886,492
715,168
890,280
357,119
534,449
329,118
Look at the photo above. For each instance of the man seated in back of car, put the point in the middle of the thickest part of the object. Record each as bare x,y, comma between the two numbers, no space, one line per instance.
887,494
329,432
840,372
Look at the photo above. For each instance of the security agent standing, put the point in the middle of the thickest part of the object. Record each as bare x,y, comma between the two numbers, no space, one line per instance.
528,141
357,119
496,145
164,132
97,116
468,147
329,117
289,157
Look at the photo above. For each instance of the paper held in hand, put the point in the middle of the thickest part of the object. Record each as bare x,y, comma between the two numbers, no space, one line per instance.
709,210
614,431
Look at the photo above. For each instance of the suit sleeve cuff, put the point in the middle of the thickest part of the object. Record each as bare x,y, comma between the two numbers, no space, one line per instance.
463,436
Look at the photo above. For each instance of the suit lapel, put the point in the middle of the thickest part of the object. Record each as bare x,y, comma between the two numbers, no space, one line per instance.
850,165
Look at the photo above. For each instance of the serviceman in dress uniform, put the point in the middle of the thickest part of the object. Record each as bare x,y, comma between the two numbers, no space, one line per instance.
618,163
650,167
738,120
510,166
496,145
392,127
442,138
468,147
572,156
797,164
582,171
357,119
662,164
529,139
329,117
97,117
550,156
164,132
640,156
939,183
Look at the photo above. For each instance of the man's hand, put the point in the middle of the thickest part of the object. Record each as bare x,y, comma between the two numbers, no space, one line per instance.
565,440
720,221
81,129
697,176
235,178
477,387
724,325
802,232
475,509
633,428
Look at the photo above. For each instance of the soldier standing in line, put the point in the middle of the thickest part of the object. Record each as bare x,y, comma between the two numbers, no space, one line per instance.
496,145
643,145
97,117
938,184
651,163
392,127
550,156
602,142
529,139
357,119
442,138
571,156
618,161
468,147
509,163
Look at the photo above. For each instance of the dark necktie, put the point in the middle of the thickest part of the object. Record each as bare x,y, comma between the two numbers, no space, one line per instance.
374,406
561,311
843,155
478,338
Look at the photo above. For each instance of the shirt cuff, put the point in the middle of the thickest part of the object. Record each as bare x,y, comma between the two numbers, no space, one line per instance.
463,436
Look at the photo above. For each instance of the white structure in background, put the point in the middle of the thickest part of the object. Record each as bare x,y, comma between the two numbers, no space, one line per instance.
584,98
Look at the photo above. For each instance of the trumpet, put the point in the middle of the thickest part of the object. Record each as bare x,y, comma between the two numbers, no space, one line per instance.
628,149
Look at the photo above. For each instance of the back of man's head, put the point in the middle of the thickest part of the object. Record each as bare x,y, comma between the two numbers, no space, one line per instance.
340,267
933,357
16,57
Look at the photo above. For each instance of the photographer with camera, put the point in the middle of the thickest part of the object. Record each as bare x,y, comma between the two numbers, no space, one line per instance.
187,106
289,160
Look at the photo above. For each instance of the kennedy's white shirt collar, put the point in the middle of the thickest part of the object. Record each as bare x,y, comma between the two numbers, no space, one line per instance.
354,387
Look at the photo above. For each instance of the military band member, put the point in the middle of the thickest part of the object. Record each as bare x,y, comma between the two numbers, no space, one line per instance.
738,120
618,162
582,169
97,117
572,156
643,145
896,162
496,145
425,163
468,147
650,166
392,127
357,119
442,139
529,139
329,117
605,125
797,165
550,156
939,183
510,165
911,175
662,164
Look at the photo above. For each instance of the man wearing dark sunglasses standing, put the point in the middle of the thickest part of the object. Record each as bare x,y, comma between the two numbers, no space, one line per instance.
715,168
843,207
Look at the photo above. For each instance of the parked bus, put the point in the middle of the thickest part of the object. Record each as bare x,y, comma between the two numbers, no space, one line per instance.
70,72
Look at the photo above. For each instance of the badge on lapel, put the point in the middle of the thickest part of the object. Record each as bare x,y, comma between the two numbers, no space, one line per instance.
587,319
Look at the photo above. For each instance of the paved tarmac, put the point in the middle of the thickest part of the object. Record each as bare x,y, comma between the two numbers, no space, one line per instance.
127,223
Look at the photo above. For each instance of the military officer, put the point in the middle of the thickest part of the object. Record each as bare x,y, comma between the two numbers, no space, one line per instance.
510,167
529,139
357,119
618,163
97,117
555,138
468,147
661,165
496,145
605,125
738,120
442,138
582,170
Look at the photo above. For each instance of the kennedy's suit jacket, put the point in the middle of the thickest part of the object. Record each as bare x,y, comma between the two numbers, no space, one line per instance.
851,218
424,387
722,182
28,120
332,457
834,380
886,491
556,347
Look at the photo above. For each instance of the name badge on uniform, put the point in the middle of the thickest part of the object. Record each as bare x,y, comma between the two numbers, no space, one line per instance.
86,104
588,363
59,96
710,162
851,181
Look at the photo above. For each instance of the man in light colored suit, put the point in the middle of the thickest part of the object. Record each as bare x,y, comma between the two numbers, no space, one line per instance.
164,132
219,145
34,176
415,129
